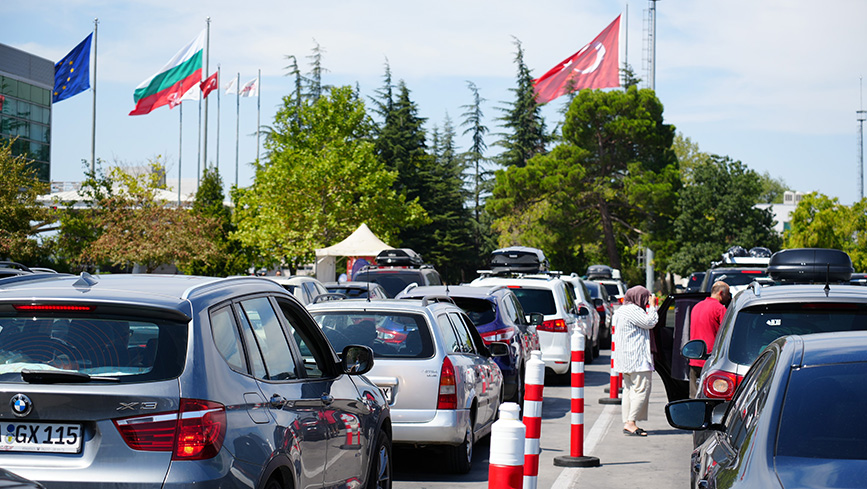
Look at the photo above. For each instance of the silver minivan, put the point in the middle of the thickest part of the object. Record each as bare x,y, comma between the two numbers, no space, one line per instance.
439,378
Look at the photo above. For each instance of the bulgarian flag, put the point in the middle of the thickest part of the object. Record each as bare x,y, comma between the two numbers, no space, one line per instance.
180,74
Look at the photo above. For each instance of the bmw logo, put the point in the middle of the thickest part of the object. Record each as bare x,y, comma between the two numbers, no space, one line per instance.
21,405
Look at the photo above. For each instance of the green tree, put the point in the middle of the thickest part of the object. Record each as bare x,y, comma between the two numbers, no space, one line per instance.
525,135
820,221
479,178
139,228
772,189
232,257
22,217
322,181
688,156
612,181
717,211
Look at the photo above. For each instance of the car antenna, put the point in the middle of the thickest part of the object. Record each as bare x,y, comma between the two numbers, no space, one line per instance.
368,291
827,278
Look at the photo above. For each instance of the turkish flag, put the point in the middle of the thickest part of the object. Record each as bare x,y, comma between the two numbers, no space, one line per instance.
210,84
596,65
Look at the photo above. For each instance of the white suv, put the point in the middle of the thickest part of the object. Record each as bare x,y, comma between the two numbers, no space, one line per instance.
555,299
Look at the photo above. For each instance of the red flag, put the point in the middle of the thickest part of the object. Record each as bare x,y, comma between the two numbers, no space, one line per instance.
596,65
210,84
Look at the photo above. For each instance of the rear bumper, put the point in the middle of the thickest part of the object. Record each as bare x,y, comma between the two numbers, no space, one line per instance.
446,428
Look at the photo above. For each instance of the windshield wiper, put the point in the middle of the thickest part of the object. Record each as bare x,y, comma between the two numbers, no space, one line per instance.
61,377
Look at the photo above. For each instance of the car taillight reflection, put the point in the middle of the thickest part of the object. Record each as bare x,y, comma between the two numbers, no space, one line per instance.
720,384
504,334
195,432
448,392
553,326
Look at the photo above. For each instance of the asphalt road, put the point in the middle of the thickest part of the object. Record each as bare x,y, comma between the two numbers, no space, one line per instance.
660,460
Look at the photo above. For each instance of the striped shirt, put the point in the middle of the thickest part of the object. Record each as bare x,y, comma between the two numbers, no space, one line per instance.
632,327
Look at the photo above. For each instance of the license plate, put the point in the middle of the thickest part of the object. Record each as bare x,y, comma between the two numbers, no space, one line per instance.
387,392
40,437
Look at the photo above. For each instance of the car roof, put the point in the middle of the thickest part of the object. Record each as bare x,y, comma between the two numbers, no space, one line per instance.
452,291
542,281
405,305
836,347
353,285
773,294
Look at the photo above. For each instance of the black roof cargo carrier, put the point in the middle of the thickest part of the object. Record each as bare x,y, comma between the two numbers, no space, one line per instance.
599,271
806,265
399,257
518,259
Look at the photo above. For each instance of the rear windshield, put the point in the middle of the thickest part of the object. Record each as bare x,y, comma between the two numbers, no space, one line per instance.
389,334
755,327
818,413
736,277
612,289
130,350
351,292
536,300
480,311
393,281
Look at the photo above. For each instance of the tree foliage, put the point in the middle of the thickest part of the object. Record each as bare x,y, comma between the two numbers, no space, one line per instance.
611,181
717,211
19,209
321,182
820,221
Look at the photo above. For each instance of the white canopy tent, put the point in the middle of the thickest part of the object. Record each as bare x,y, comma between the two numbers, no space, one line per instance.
362,242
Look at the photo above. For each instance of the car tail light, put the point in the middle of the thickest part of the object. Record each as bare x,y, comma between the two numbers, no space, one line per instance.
600,308
720,384
50,307
504,334
195,432
448,393
553,326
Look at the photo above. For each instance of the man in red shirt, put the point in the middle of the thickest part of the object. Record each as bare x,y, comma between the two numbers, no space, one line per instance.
704,323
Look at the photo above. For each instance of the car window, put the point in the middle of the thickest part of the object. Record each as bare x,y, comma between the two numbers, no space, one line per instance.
450,337
260,317
509,308
465,340
315,352
816,420
228,339
394,334
536,300
612,289
749,401
568,298
393,281
756,327
433,278
480,311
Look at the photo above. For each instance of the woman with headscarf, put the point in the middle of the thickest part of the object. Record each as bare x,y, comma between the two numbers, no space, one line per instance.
632,324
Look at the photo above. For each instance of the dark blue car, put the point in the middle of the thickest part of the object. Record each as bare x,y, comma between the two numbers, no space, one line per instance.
498,316
793,422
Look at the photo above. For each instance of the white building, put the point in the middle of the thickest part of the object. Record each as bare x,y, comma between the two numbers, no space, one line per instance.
783,212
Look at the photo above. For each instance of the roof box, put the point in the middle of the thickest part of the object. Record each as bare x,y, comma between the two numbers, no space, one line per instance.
518,259
399,257
599,271
810,265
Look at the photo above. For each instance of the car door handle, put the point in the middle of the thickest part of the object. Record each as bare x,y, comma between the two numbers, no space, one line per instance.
327,399
277,401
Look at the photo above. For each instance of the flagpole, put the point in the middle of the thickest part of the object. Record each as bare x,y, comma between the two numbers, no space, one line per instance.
218,118
205,75
180,147
237,124
93,128
258,109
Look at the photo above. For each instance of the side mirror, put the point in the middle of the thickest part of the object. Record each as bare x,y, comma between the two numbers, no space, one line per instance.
583,311
695,350
356,359
535,318
498,349
694,414
598,302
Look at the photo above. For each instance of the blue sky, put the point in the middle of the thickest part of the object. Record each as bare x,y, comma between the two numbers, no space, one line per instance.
774,84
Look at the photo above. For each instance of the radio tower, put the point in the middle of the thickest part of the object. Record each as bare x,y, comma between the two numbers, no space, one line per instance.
650,46
860,114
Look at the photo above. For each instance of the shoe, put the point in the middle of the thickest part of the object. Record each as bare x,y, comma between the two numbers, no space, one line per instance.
637,432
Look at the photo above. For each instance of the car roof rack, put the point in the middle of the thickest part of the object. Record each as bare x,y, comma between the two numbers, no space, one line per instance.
810,265
401,257
518,259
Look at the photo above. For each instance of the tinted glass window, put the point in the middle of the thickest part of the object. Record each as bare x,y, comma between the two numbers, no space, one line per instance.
480,311
749,401
756,327
450,338
393,281
227,338
260,316
818,419
735,277
612,289
536,300
389,334
314,349
131,349
463,335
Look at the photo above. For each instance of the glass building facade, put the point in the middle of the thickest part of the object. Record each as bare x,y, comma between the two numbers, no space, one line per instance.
26,82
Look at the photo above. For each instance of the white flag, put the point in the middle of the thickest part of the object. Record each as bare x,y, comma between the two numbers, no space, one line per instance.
230,87
251,88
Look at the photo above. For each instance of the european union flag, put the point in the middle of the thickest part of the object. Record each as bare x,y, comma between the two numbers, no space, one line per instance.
72,73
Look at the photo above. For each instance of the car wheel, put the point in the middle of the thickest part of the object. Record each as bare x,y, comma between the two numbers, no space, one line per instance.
273,483
588,350
380,474
460,458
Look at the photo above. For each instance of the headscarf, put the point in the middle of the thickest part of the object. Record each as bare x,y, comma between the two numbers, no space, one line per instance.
637,295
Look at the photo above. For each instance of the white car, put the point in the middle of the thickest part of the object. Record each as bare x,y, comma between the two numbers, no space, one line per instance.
555,299
585,300
303,287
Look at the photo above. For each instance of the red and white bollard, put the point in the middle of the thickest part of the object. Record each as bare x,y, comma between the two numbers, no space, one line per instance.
616,382
576,456
506,462
534,382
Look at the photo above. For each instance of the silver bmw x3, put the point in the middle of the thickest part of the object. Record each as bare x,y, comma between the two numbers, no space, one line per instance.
144,381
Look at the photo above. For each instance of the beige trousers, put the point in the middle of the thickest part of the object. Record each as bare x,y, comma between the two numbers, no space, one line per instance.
636,396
